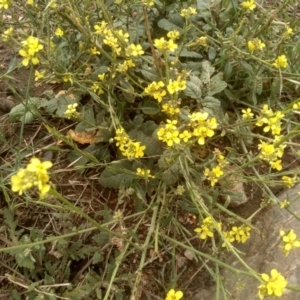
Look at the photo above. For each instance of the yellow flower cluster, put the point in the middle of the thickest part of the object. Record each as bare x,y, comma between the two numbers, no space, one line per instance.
177,85
165,45
39,75
272,153
5,3
213,174
280,62
30,47
125,65
112,37
146,173
240,234
59,32
173,34
7,34
170,108
289,181
71,112
128,147
273,285
35,175
207,228
289,240
187,12
203,127
285,203
272,120
248,4
156,90
255,44
169,133
173,295
97,88
247,114
134,50
288,32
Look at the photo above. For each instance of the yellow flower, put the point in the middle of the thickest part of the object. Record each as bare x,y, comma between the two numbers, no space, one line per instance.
272,286
241,234
148,2
128,147
174,34
280,61
255,44
289,181
144,173
94,51
202,41
249,4
35,174
134,50
39,167
59,32
247,114
5,3
30,47
170,108
169,133
285,203
71,111
101,77
97,89
39,75
288,32
229,237
123,67
134,150
7,33
187,12
185,136
155,89
176,85
164,45
173,295
67,78
289,241
101,28
213,175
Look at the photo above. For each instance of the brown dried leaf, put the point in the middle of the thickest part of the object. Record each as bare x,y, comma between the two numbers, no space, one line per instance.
87,137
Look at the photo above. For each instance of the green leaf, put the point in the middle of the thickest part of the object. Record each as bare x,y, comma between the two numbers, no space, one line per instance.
117,174
145,135
207,71
150,108
62,105
168,26
81,161
247,67
49,106
28,117
87,114
102,238
193,88
211,102
227,69
187,53
128,91
217,84
212,53
16,114
149,73
207,4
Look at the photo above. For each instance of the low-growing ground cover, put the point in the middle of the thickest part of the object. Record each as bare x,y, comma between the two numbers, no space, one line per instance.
131,132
